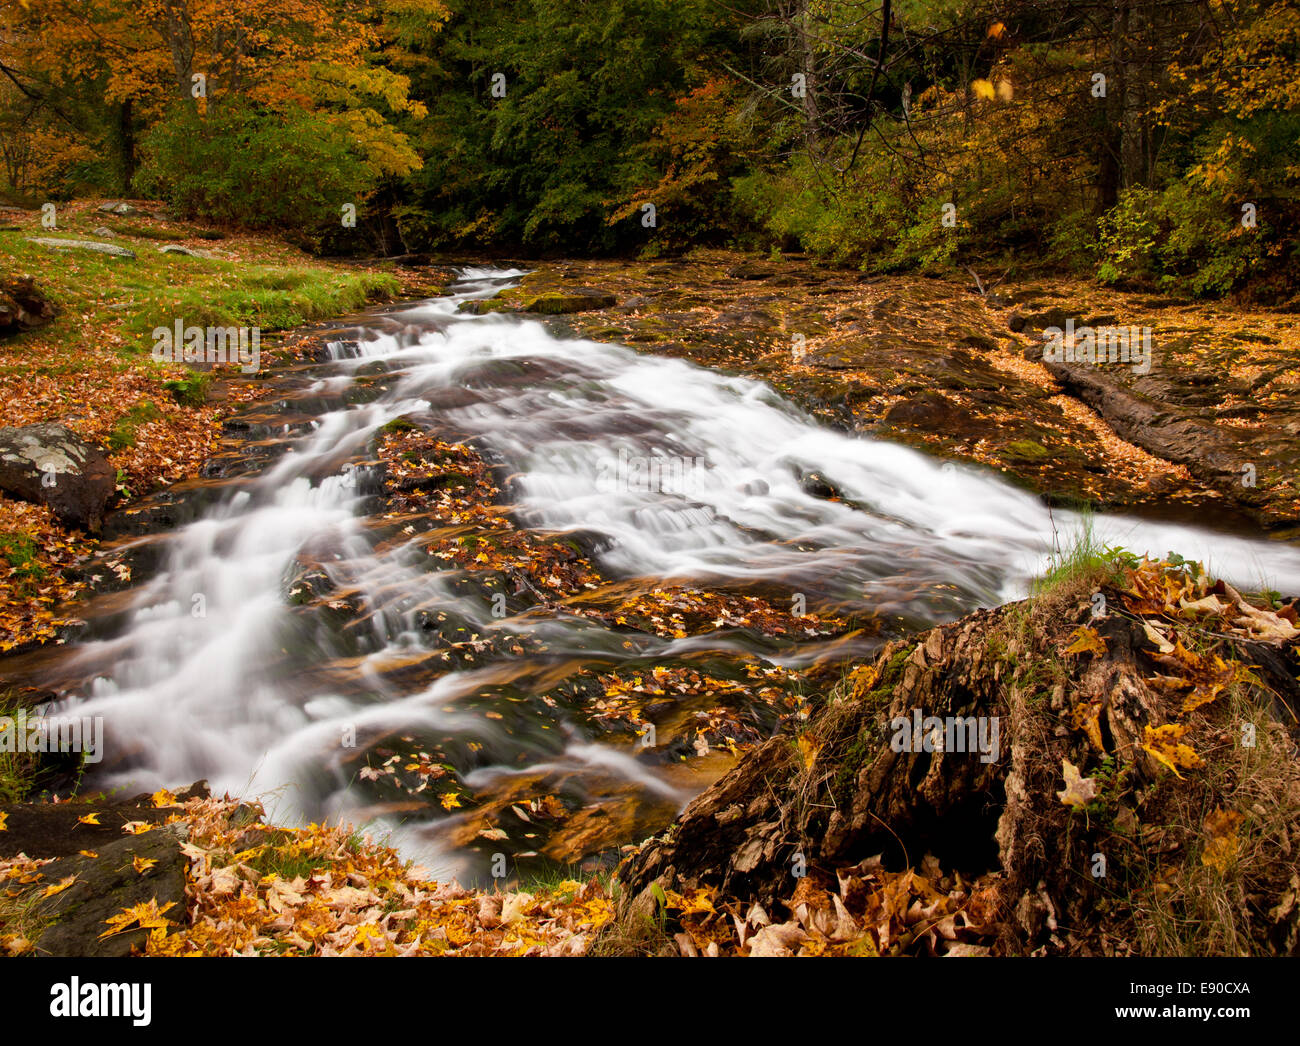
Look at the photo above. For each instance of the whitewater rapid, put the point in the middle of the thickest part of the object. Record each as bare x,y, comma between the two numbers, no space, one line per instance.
685,475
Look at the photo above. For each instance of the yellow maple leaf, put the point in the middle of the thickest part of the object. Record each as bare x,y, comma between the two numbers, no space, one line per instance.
88,853
1086,640
162,797
1086,717
449,800
864,680
1163,744
147,915
4,817
59,887
1220,851
88,819
143,864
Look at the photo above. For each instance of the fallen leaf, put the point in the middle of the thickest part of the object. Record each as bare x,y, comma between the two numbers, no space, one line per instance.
1079,791
1086,640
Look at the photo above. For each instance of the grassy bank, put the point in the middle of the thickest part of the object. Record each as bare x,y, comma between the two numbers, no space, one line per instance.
91,366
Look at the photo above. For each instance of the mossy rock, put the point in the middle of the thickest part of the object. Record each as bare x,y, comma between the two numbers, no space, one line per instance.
1025,452
577,299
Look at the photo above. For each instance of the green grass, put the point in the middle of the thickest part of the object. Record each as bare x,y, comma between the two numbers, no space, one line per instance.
191,391
543,876
17,770
271,286
124,431
1083,559
23,557
139,231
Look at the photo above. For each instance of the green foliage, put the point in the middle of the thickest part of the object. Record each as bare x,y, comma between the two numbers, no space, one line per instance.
191,391
128,425
1177,238
20,552
587,85
864,221
289,170
17,769
549,125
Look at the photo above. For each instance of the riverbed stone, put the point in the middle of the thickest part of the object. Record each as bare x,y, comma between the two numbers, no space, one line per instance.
570,299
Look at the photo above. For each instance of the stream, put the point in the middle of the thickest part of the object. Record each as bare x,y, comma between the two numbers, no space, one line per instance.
668,475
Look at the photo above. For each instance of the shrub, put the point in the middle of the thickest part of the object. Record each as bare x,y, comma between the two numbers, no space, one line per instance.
290,170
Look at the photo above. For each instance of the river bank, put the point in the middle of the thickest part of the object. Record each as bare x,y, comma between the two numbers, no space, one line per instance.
445,438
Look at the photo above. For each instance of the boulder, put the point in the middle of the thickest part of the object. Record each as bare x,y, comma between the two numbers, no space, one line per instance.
176,248
22,306
104,233
570,299
118,207
82,245
118,877
50,465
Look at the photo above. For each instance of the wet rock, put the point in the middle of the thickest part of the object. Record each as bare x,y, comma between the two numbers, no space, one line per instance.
747,318
659,709
1025,452
42,830
104,886
815,485
567,300
82,245
928,410
50,465
22,306
751,271
1029,322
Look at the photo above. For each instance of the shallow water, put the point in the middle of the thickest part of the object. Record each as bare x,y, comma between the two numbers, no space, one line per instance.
682,474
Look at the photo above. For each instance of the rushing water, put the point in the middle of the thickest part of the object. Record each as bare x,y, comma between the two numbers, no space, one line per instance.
255,692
